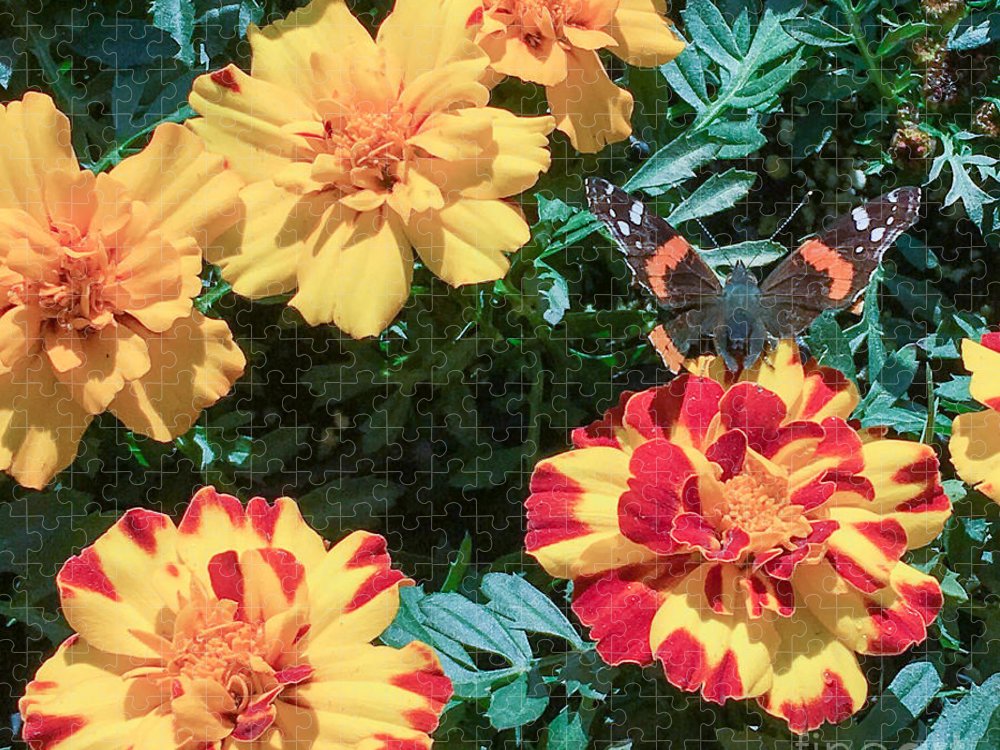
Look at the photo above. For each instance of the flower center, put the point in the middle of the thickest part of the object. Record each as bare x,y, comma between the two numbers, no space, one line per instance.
540,19
370,145
219,652
757,503
72,296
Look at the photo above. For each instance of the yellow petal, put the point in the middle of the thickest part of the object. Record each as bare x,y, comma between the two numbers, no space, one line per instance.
105,361
154,282
295,53
190,192
36,148
192,365
79,701
588,107
355,274
644,36
262,253
975,450
121,594
19,335
465,242
242,119
982,362
40,423
545,64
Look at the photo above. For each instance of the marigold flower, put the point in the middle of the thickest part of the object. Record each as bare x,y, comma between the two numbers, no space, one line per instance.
555,42
237,628
975,437
744,535
97,273
362,151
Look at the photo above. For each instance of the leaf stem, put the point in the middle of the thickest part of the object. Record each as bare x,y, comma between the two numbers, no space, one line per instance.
861,42
113,156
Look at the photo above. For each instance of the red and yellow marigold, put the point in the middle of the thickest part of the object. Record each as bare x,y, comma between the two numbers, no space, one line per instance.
555,43
237,628
97,274
745,535
975,437
361,152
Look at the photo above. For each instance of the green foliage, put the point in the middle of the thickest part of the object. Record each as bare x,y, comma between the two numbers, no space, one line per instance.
428,434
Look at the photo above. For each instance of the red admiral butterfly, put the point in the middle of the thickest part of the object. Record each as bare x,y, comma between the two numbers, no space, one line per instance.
827,272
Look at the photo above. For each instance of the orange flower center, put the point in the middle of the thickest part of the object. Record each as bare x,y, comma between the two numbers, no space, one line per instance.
538,19
757,503
71,296
370,145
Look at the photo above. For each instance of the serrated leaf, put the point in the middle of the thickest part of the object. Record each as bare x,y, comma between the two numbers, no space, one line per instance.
476,626
718,193
673,164
514,599
176,17
686,76
708,26
896,38
979,28
965,723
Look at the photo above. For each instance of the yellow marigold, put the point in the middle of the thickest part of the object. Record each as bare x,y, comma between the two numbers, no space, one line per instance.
744,535
237,628
97,273
555,42
975,437
359,152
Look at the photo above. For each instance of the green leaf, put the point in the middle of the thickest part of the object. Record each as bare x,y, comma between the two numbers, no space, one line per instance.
474,625
830,345
674,163
753,253
706,24
718,193
519,703
979,28
900,35
814,31
456,571
176,17
566,731
915,686
961,162
686,76
513,598
555,296
965,723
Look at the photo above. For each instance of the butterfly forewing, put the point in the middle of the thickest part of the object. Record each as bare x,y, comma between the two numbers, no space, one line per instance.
661,260
832,270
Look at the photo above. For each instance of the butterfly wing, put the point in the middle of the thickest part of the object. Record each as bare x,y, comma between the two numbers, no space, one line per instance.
832,271
661,260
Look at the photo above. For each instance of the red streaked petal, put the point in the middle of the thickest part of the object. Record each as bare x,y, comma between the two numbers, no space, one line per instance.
756,411
619,607
826,393
257,717
682,410
646,512
983,362
603,431
865,548
729,451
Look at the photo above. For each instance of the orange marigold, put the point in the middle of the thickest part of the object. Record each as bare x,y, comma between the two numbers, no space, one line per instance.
97,274
744,535
975,437
555,43
236,628
360,152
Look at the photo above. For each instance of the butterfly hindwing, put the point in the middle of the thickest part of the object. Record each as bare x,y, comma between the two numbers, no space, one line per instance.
660,259
832,270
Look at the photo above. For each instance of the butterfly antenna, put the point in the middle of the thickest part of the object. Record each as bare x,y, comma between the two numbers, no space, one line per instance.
791,216
715,242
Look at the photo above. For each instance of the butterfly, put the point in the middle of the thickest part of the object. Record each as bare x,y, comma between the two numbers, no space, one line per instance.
827,272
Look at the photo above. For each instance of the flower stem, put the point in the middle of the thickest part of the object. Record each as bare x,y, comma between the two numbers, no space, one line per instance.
861,42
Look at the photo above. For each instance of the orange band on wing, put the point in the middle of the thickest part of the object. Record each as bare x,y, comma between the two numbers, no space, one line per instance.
825,258
665,259
666,348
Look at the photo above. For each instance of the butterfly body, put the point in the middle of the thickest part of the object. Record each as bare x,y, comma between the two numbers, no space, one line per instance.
742,316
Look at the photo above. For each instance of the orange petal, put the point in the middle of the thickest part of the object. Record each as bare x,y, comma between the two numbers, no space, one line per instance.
40,423
192,365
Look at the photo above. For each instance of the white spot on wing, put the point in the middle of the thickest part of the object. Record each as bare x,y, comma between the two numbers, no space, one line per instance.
609,189
624,228
890,221
861,218
877,234
635,212
892,196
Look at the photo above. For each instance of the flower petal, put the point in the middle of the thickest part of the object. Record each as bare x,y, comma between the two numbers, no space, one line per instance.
192,365
825,393
362,693
79,701
588,107
648,511
36,149
120,594
722,655
865,548
573,514
40,423
190,192
816,678
644,37
983,362
975,450
354,592
682,410
344,263
465,242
